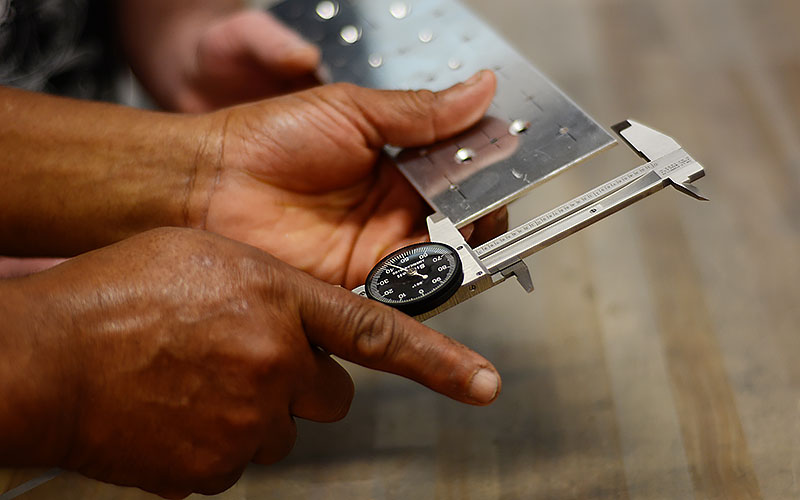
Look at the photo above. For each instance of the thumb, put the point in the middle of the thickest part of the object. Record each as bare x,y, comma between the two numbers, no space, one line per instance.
378,337
421,117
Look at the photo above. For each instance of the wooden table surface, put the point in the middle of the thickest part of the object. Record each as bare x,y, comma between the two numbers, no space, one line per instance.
658,357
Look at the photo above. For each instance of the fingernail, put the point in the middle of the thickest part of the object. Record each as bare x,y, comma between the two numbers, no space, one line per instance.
474,79
484,386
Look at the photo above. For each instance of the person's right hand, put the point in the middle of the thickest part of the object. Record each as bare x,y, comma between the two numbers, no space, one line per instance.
303,176
171,360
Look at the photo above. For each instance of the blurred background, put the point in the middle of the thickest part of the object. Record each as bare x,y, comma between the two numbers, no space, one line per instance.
658,357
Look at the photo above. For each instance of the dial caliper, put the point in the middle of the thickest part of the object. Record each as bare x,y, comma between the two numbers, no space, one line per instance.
424,280
531,132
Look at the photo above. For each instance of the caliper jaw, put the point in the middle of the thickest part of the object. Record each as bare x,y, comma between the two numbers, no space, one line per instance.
442,230
477,278
651,145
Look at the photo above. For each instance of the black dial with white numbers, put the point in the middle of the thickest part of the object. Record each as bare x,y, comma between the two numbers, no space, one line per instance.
416,279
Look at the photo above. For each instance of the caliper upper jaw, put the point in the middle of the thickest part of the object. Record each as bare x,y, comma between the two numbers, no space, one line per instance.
652,145
648,143
477,277
442,230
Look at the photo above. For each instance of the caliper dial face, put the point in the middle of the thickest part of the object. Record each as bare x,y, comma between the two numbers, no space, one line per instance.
416,279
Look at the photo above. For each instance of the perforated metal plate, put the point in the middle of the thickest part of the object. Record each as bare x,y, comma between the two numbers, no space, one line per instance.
532,130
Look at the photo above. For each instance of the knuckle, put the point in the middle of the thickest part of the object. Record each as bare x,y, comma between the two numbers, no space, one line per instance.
171,494
424,101
423,108
221,483
271,366
376,335
264,357
346,402
344,87
278,444
201,468
270,356
247,420
286,449
342,92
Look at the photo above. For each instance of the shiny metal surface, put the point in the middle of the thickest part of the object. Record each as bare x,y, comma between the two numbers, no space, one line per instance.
532,131
675,168
442,230
502,257
648,143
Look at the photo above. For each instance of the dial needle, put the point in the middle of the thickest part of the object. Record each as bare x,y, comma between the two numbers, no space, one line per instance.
412,272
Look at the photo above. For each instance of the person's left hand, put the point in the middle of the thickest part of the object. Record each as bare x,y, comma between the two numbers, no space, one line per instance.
207,61
302,176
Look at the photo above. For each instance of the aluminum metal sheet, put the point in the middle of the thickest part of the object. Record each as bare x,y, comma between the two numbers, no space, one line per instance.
532,130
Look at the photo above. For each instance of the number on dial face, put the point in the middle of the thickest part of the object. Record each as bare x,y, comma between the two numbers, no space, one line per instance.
416,279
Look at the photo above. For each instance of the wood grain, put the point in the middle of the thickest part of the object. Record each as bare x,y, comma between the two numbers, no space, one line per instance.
658,357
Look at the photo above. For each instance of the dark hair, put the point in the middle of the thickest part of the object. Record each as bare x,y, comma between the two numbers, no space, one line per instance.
61,47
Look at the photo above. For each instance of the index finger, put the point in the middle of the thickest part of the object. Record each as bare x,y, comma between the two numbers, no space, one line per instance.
379,337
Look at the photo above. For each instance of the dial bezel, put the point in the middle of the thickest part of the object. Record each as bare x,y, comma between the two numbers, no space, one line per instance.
427,302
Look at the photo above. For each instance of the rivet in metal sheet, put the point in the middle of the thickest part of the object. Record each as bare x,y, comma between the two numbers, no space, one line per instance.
464,155
454,63
375,60
399,10
563,130
425,36
350,34
327,9
518,126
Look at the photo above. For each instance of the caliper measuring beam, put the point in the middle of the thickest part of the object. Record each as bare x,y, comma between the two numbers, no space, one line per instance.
427,279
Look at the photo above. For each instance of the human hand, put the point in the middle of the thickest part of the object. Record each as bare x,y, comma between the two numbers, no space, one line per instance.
228,58
171,360
302,176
